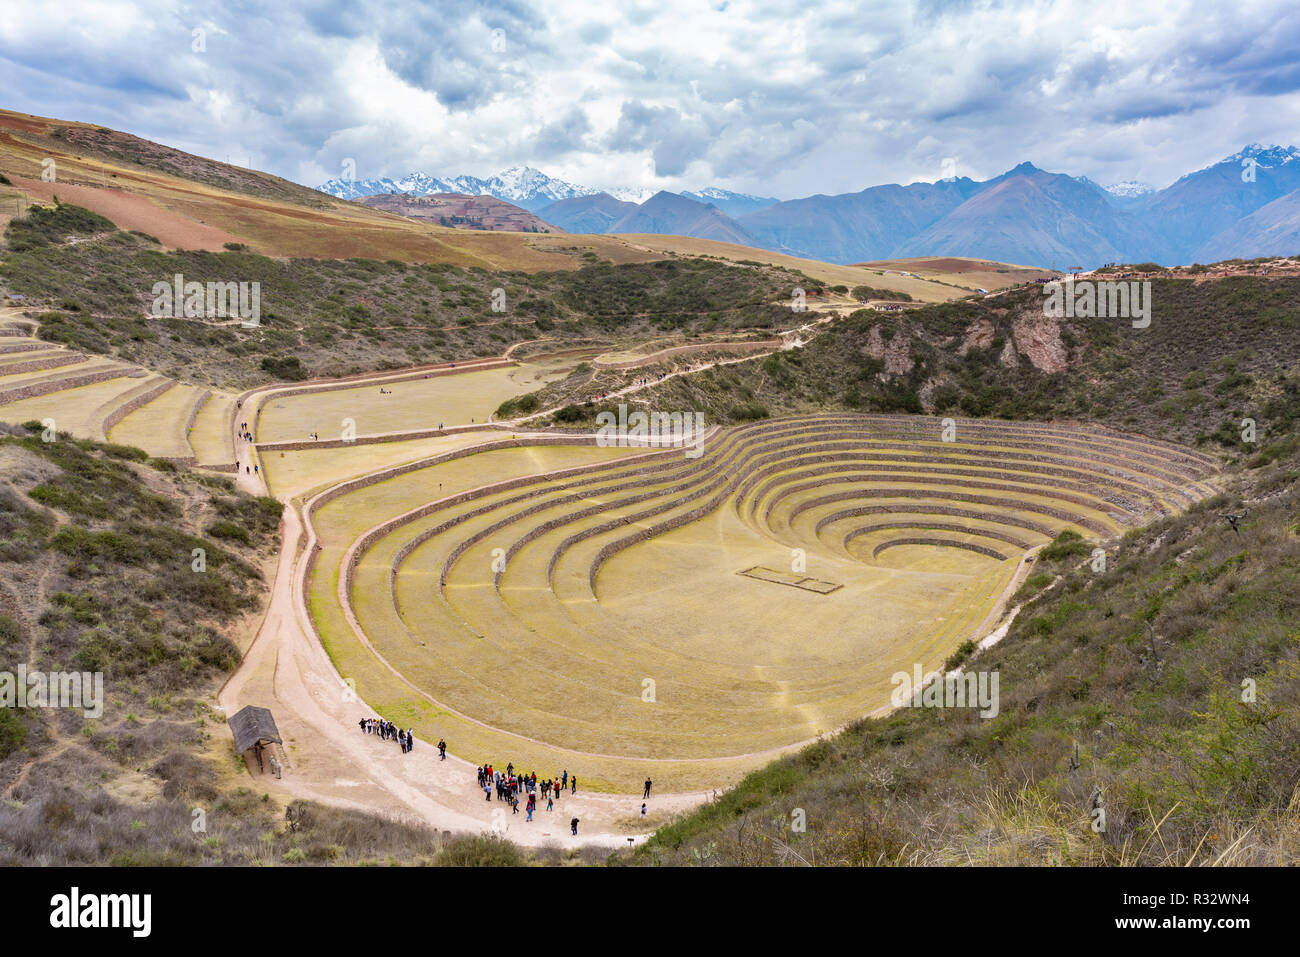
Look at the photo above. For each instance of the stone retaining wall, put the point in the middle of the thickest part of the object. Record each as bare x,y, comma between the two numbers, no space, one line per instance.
1044,491
937,526
941,542
137,401
366,541
200,401
36,365
993,518
32,390
1058,513
29,345
914,462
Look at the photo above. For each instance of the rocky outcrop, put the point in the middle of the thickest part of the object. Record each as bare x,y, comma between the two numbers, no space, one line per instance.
1038,339
979,335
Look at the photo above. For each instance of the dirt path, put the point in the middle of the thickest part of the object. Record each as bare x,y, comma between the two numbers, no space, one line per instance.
329,759
789,340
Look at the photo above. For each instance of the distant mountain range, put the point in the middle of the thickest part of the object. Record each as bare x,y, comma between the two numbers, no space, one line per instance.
1246,205
529,189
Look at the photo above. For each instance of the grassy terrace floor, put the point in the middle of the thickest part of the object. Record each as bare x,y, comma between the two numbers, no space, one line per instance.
530,622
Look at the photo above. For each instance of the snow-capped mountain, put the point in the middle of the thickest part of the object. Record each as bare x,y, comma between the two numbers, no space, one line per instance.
733,204
1129,189
524,186
528,188
1269,157
1265,157
630,194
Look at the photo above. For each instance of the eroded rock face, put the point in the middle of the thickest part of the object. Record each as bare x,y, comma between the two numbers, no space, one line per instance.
1038,338
898,355
926,394
1009,358
875,343
979,335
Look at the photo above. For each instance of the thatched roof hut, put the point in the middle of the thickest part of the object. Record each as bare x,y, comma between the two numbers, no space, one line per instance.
253,726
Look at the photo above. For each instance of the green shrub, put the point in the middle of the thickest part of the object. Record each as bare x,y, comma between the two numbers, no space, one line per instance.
480,851
1065,545
9,631
12,732
229,531
960,656
748,412
288,368
47,225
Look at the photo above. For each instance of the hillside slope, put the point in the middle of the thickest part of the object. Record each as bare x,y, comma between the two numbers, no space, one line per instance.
1000,356
1270,230
1148,714
460,212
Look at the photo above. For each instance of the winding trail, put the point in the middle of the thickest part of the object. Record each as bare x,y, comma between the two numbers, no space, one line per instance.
330,760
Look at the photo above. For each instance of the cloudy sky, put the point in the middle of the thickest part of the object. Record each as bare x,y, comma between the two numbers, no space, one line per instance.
776,97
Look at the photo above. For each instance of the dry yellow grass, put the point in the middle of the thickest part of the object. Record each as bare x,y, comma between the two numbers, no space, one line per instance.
922,289
210,437
189,214
293,474
463,399
962,271
92,364
74,411
158,427
505,642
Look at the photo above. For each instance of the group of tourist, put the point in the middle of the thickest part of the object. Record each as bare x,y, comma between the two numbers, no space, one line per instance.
388,731
646,380
508,786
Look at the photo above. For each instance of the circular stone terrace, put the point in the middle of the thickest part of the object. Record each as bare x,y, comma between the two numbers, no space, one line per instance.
619,612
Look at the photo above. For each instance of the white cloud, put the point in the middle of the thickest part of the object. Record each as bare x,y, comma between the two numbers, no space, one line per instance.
766,96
